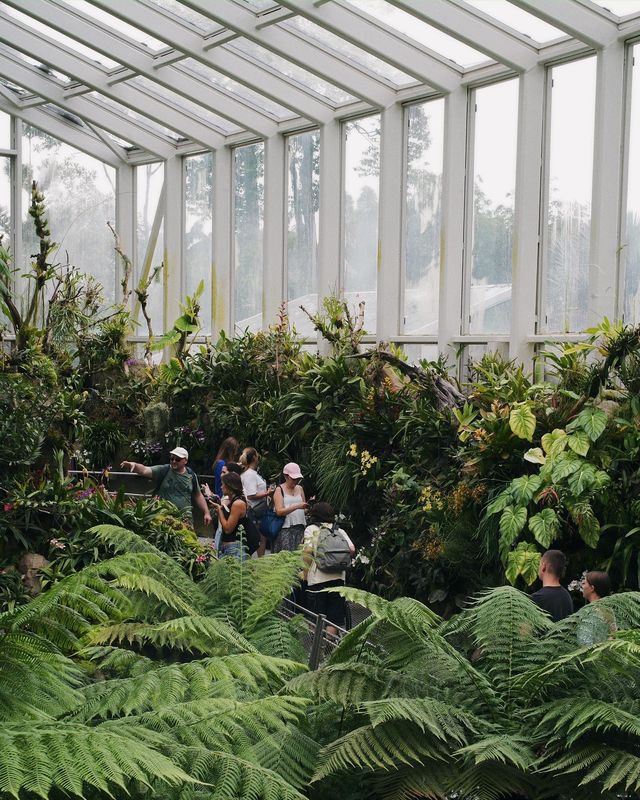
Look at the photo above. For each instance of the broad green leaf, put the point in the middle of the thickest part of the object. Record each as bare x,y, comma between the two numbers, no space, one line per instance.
524,487
591,420
544,526
499,503
579,442
522,421
535,455
555,442
564,466
589,528
512,521
583,479
524,560
185,325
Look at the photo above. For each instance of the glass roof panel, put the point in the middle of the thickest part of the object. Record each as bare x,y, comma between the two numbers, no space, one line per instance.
519,20
302,76
447,46
117,25
185,14
258,5
241,92
344,48
66,115
44,68
125,111
50,33
196,110
118,140
621,8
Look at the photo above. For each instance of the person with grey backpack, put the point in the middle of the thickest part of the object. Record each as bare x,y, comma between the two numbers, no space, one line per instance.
327,553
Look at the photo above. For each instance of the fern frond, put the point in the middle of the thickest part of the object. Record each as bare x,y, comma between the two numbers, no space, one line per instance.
67,757
197,634
279,638
567,720
354,683
272,580
291,754
503,748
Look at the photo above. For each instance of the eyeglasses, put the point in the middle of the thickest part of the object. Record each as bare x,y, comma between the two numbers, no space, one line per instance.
175,458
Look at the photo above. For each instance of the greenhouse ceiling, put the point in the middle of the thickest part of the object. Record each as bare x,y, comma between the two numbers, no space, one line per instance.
152,78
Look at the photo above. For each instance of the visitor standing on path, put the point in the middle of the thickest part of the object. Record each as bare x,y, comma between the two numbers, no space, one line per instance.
175,482
598,623
289,502
228,451
553,597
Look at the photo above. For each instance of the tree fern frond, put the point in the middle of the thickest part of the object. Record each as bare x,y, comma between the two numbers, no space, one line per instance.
279,638
433,717
291,754
197,634
355,683
273,580
569,719
68,757
430,780
382,747
504,748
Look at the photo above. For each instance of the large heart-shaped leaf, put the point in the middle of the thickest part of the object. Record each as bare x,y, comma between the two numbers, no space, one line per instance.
535,455
555,442
524,487
591,420
499,503
522,421
523,560
579,442
544,526
512,521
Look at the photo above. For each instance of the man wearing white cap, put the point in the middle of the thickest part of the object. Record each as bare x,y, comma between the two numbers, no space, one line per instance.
175,482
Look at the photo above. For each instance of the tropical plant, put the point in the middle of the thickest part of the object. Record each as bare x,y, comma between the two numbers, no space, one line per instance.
127,678
497,702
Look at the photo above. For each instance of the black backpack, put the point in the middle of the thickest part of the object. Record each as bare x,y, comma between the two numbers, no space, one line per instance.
333,553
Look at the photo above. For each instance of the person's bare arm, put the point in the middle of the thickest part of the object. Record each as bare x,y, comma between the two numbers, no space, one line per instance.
281,509
202,505
137,469
238,511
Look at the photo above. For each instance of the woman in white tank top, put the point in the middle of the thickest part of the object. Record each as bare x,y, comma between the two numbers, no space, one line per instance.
290,503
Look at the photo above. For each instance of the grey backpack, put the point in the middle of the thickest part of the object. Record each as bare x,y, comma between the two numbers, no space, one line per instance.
333,553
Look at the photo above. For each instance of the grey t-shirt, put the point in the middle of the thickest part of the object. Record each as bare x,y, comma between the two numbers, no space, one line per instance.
176,488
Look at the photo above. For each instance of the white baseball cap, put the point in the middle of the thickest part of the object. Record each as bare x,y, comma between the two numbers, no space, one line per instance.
181,452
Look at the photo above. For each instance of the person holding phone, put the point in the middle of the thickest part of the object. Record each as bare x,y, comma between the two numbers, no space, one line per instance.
290,503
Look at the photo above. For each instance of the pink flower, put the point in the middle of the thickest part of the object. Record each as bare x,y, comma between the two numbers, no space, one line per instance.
57,544
7,507
200,559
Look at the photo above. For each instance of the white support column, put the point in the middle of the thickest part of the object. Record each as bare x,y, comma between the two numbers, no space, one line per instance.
330,218
16,199
222,274
390,222
274,225
173,227
125,222
452,233
526,233
607,183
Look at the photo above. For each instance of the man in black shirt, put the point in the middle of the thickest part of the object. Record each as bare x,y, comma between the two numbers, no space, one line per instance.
553,598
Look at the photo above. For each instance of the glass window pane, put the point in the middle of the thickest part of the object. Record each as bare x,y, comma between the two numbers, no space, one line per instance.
198,231
425,145
518,19
80,194
183,13
631,242
421,32
494,180
565,286
5,131
144,121
149,185
302,76
120,27
361,190
621,8
344,48
302,228
5,201
415,352
248,225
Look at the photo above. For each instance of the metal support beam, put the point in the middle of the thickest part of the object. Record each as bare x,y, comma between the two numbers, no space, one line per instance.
14,68
274,228
297,49
390,222
578,19
103,39
74,135
173,238
475,30
152,20
526,239
221,279
330,216
607,183
385,44
452,231
82,69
